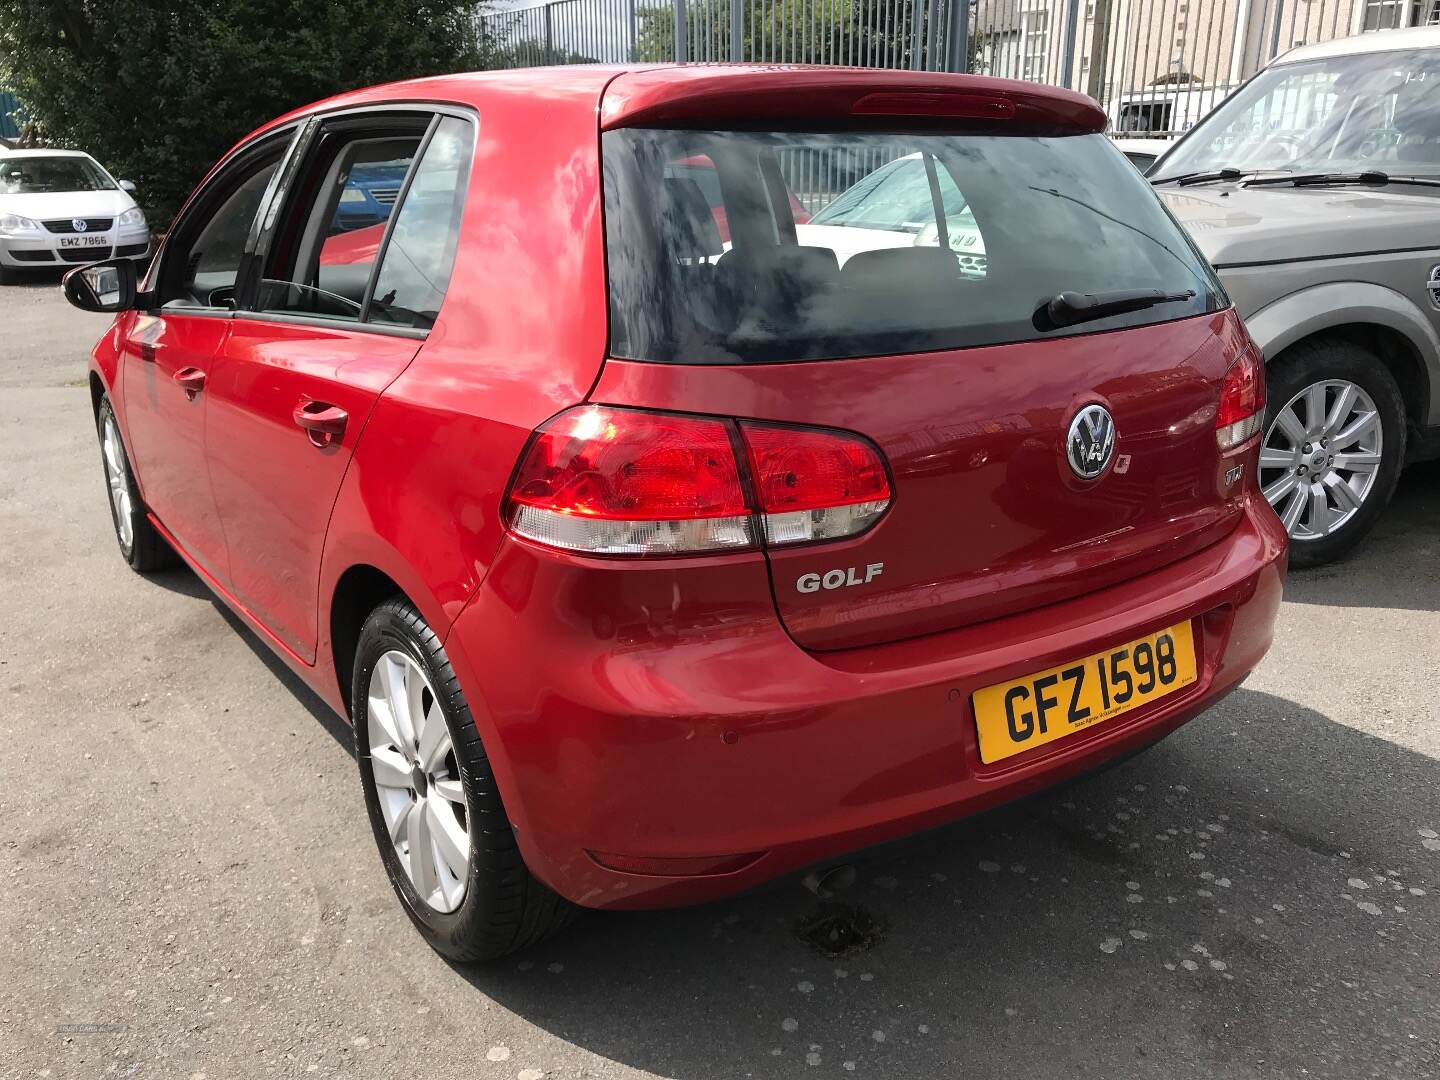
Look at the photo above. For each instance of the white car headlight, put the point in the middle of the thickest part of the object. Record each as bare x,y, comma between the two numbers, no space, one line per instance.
15,225
132,219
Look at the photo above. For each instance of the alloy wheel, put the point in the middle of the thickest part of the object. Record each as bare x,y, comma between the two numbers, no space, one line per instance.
1320,458
418,781
117,480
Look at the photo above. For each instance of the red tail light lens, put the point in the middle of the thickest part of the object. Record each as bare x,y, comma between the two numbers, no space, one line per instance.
624,482
814,485
1242,401
613,481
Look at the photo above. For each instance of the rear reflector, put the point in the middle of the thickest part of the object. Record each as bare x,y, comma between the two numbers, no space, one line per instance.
624,482
604,480
814,485
667,867
1242,401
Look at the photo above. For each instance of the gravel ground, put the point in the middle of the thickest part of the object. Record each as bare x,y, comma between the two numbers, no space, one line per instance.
190,887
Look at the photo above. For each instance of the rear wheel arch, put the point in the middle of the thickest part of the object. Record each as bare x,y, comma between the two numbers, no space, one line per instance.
1380,320
97,392
358,591
1396,351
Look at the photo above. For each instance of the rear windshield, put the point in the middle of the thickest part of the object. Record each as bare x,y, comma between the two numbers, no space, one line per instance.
738,247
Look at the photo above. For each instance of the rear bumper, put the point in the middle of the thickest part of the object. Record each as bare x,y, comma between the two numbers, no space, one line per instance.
721,737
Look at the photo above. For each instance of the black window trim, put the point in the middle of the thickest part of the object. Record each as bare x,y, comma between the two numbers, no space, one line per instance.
262,229
202,203
360,114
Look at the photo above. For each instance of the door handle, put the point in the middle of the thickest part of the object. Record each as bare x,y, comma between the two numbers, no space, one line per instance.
191,380
323,422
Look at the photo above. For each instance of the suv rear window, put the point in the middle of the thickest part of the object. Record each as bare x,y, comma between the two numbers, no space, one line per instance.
739,247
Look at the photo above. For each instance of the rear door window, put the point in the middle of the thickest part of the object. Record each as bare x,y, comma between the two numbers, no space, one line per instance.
415,269
835,245
328,244
369,231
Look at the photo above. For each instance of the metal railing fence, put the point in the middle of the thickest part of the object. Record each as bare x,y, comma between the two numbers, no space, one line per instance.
859,33
1156,66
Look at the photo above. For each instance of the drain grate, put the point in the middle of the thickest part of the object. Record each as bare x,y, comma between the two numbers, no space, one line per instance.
840,930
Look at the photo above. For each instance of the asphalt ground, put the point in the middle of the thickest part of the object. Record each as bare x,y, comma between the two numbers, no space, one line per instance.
189,886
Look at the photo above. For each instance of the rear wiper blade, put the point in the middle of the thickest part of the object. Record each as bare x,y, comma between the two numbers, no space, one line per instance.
1186,179
1070,308
1372,177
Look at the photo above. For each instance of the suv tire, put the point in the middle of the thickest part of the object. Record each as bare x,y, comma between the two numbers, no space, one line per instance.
1300,456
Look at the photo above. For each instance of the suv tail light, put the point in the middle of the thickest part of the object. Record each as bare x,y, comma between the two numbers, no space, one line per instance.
1242,401
615,481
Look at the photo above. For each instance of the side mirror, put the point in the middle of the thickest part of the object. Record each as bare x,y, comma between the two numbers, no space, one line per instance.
107,286
127,186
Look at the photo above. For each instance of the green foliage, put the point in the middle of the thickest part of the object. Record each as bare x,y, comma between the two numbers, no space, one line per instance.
159,90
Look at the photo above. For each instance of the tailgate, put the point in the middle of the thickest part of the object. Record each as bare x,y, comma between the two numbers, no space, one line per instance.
987,517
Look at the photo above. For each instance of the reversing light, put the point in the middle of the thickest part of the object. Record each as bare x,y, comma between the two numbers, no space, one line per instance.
1242,401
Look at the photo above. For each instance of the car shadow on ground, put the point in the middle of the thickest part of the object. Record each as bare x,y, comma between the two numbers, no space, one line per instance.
1260,880
36,279
1396,566
186,582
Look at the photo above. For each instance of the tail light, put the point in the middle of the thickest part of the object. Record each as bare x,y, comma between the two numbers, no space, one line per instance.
612,481
814,485
1242,401
621,482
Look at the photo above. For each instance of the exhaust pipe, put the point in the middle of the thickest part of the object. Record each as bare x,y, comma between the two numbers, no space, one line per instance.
831,881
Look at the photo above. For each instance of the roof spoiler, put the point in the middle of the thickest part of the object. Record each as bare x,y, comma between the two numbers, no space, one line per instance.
747,96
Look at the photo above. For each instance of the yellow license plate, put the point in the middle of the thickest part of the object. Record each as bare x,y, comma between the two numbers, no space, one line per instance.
1012,717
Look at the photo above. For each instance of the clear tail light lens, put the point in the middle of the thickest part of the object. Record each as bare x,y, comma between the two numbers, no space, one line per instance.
814,485
1242,401
623,482
614,481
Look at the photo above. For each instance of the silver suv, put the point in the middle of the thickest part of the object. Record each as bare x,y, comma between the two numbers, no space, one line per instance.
1315,191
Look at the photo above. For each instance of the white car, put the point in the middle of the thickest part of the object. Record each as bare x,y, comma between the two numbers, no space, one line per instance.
892,207
60,208
1143,152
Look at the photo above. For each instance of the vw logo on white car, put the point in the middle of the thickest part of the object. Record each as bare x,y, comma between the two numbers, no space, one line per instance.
79,224
1090,442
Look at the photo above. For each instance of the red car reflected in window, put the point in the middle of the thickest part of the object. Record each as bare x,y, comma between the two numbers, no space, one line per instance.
701,169
355,246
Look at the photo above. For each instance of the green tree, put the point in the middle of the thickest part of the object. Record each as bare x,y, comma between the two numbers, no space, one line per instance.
159,89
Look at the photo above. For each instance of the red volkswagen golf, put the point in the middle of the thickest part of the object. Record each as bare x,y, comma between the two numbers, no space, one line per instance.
650,562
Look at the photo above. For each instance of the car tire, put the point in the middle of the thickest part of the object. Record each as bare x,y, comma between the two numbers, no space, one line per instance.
8,277
141,544
493,905
1343,371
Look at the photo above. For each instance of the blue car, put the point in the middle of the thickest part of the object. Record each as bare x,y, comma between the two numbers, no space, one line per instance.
368,196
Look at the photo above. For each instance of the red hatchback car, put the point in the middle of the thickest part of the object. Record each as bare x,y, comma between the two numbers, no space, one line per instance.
650,564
